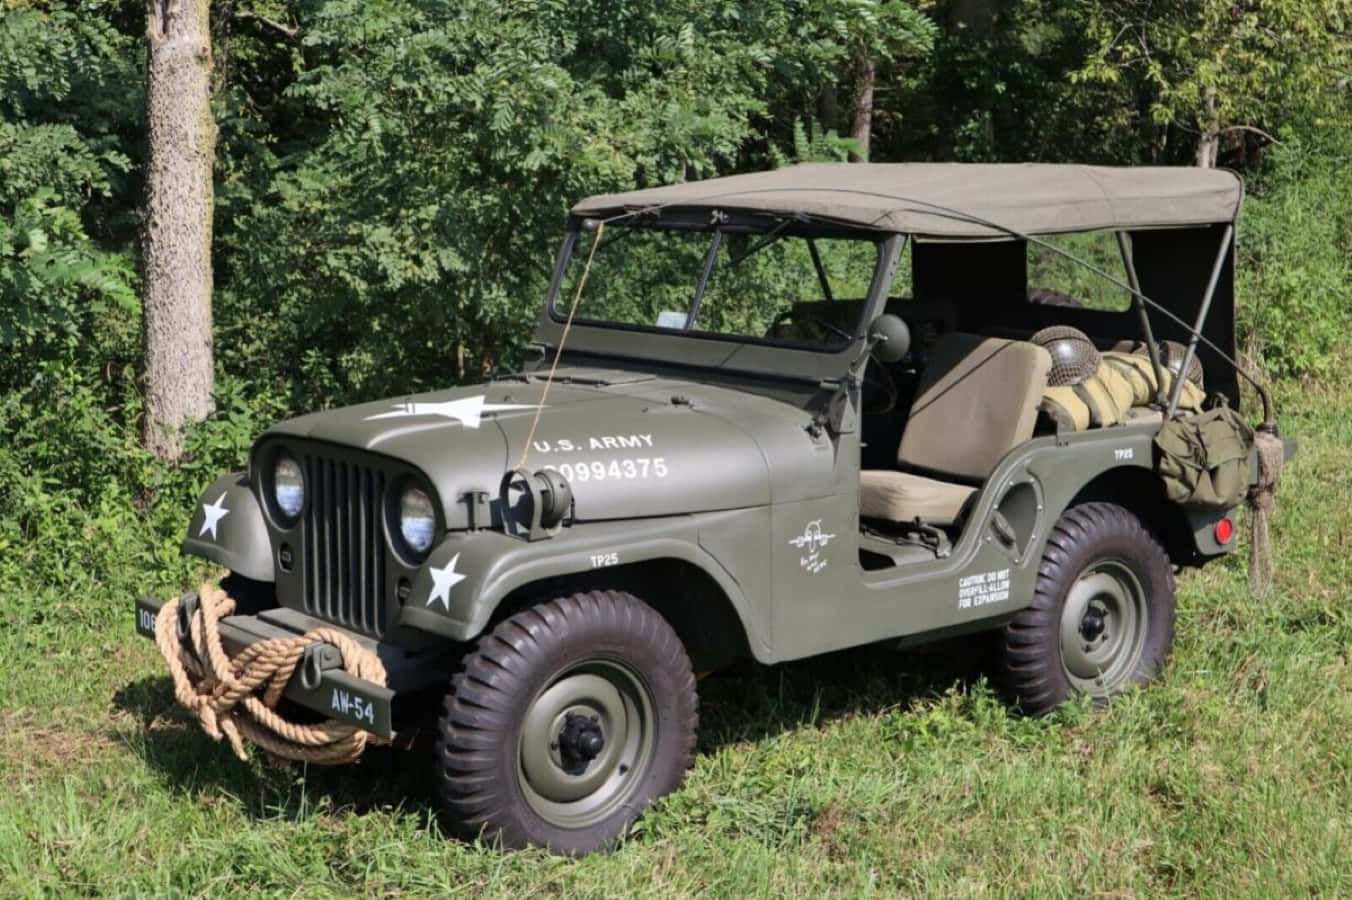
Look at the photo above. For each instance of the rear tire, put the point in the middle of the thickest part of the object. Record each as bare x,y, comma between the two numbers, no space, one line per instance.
1102,616
566,721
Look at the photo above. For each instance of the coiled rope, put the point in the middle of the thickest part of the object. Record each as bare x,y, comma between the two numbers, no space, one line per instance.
236,698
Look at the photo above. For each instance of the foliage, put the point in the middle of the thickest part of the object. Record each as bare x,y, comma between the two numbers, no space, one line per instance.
393,178
1205,67
812,143
865,773
54,284
409,252
1295,267
997,87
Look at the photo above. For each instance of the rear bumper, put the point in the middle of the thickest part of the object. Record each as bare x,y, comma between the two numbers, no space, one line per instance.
319,684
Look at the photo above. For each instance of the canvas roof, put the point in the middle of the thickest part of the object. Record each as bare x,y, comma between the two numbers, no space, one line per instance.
936,199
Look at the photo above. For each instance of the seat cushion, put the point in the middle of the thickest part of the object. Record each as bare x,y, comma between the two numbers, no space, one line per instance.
901,497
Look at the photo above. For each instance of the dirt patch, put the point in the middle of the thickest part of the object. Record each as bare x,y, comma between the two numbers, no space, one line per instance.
26,740
825,830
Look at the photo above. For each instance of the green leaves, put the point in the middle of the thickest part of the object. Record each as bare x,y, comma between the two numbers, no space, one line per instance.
54,284
456,137
1205,67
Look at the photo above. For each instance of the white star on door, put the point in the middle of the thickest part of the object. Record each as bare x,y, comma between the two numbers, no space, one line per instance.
212,513
443,580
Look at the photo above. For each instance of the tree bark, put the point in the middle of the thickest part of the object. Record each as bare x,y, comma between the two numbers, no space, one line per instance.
863,113
828,113
176,240
1209,142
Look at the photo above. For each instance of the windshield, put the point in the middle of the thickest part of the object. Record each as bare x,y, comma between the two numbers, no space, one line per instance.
771,281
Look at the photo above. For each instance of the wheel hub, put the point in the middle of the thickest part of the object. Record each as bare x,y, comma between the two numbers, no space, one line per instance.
1103,627
585,743
580,741
1093,623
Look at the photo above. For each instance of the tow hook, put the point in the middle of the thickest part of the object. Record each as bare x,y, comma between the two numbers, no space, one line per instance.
187,608
318,658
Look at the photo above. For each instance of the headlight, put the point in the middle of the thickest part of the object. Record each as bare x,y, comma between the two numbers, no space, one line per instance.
417,519
288,486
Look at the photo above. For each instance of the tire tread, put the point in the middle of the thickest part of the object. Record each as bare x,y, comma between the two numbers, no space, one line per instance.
477,711
1031,671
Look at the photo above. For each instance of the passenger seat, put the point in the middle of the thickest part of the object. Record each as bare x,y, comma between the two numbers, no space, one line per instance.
977,400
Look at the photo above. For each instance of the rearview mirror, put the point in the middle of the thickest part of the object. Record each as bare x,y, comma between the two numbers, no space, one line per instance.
889,338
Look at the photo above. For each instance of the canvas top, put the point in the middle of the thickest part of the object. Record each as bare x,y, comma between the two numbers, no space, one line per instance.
958,201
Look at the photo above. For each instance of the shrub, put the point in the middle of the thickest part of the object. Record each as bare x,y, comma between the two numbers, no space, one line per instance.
1294,253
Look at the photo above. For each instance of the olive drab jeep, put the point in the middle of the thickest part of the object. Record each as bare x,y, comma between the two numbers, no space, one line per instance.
763,417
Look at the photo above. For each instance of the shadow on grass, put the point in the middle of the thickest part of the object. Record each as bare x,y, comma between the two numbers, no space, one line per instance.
752,703
745,704
173,745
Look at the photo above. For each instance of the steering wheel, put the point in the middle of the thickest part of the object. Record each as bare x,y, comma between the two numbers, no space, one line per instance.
884,389
788,314
879,388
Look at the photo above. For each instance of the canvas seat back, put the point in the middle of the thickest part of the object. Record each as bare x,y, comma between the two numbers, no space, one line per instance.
977,400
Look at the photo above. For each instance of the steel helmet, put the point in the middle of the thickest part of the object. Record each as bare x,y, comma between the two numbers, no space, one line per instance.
1074,356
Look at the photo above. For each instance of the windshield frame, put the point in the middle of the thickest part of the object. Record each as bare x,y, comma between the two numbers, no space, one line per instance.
588,334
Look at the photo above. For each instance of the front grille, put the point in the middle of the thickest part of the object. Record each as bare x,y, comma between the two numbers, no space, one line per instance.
343,549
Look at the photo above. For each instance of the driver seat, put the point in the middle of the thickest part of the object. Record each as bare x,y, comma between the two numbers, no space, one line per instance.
977,400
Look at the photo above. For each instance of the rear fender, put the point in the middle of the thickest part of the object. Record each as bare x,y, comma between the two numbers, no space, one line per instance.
227,528
1117,465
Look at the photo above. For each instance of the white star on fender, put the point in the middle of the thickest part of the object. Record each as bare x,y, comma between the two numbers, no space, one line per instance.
212,513
443,580
467,411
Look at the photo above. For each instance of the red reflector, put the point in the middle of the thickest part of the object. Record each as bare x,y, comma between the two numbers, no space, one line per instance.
1225,529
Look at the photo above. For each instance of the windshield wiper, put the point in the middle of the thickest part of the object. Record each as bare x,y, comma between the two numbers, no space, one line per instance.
704,274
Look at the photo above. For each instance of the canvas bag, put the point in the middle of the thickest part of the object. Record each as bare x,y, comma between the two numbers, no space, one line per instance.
1204,458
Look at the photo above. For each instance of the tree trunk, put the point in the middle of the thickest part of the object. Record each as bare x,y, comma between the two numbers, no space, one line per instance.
1209,142
863,114
177,228
827,112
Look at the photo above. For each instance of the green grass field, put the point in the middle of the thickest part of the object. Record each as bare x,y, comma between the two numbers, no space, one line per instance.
867,772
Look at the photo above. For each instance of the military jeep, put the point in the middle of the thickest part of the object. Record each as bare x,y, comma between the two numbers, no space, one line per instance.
763,417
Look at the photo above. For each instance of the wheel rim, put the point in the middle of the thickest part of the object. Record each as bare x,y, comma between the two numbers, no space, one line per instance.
586,743
1103,627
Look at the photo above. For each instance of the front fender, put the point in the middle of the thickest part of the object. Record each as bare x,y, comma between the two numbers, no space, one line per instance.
468,575
227,528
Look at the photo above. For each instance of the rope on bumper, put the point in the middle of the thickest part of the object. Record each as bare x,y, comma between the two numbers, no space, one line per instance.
237,698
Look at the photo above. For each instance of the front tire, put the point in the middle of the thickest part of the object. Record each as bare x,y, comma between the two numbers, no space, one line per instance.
1102,616
566,721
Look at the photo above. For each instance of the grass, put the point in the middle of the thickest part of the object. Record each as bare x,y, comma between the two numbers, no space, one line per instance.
862,773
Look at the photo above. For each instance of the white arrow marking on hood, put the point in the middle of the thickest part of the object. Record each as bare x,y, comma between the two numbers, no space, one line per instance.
467,411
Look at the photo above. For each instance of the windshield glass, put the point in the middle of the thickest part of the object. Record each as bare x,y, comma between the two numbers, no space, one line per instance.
776,282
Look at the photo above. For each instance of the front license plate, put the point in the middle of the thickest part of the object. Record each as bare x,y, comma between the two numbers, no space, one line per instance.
146,611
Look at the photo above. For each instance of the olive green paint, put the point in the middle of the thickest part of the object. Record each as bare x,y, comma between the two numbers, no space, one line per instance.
740,458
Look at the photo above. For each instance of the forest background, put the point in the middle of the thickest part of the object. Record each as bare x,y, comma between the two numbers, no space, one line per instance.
392,178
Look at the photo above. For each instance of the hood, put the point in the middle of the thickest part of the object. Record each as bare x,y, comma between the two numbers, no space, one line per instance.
629,444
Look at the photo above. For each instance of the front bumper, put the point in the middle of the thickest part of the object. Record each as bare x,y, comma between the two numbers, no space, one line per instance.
319,682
